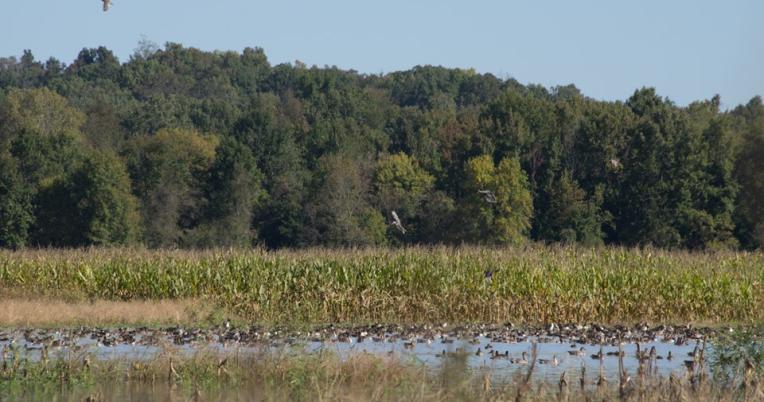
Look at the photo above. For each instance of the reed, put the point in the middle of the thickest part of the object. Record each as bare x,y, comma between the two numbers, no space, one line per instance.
207,376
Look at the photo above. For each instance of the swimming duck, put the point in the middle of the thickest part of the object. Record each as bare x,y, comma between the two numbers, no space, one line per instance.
579,352
521,360
497,355
553,362
599,355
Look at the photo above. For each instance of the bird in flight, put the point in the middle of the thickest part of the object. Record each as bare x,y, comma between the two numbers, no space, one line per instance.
106,5
488,196
397,222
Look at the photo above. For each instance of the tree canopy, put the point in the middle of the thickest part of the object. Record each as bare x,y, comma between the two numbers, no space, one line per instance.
178,147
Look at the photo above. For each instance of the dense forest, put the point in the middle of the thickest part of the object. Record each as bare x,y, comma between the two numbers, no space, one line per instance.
179,147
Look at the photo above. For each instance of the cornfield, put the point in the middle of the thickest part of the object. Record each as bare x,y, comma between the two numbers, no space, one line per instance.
535,284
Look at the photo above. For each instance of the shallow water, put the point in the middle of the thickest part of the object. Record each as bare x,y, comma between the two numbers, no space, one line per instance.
427,350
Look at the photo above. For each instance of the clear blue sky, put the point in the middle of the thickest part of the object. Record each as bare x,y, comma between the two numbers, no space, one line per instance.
687,49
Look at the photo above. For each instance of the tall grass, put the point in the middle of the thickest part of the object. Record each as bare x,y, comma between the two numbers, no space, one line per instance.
533,284
324,376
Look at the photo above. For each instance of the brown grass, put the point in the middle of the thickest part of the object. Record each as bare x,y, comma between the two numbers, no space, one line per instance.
28,313
326,377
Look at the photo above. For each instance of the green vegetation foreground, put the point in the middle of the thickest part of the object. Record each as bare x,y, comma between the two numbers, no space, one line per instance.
529,285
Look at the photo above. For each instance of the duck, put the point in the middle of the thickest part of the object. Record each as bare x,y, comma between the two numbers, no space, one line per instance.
479,352
496,355
521,360
599,355
553,362
579,352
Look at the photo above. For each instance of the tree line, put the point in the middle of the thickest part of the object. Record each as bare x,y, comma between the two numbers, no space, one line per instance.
179,147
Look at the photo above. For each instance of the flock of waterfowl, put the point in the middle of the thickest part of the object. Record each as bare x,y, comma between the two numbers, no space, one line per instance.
592,340
584,334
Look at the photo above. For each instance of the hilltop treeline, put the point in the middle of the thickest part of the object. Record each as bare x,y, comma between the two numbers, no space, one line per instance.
179,147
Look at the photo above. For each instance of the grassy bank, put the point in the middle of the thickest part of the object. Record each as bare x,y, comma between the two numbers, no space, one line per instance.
41,313
534,284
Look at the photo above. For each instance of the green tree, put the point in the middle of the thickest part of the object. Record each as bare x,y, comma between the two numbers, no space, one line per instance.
340,213
233,189
16,215
573,217
749,172
400,185
94,206
41,130
269,129
168,171
41,145
507,220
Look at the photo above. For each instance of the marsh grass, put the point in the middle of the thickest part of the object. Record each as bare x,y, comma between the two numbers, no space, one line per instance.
531,285
323,376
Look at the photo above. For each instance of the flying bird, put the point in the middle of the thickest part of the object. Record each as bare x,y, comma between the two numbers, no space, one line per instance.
397,222
488,196
106,5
